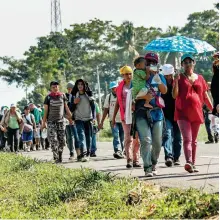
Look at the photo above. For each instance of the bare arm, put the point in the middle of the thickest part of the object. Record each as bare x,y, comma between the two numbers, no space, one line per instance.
162,88
69,115
115,110
207,101
175,91
98,117
105,113
45,113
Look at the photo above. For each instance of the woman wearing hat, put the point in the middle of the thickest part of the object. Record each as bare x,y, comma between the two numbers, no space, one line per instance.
132,152
172,140
11,122
149,122
190,92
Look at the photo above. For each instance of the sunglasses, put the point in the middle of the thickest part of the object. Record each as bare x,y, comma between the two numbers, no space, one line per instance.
128,74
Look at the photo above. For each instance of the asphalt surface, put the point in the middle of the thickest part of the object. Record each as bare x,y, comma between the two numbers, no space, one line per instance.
207,162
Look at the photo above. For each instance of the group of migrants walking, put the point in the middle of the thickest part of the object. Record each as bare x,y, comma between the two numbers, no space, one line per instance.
149,108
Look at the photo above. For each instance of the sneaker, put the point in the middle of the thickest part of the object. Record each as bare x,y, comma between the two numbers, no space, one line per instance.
129,165
169,162
71,158
149,174
118,155
79,158
136,164
176,162
188,167
154,170
209,142
34,148
195,170
93,155
85,159
216,137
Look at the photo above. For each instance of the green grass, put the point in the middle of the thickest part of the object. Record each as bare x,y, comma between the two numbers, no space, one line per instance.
31,189
105,135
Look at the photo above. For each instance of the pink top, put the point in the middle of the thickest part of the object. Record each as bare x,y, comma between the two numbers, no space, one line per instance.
124,95
190,100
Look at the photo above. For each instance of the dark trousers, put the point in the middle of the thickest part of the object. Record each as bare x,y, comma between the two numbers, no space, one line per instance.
3,140
13,138
207,126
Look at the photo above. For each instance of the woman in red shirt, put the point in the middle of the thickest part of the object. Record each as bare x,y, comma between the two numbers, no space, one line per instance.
190,92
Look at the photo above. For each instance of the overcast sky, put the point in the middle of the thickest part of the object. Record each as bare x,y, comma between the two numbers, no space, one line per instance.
22,21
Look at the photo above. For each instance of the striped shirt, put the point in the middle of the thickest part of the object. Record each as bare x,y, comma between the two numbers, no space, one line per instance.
55,107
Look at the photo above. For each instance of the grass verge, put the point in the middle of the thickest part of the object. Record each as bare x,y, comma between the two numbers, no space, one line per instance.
32,189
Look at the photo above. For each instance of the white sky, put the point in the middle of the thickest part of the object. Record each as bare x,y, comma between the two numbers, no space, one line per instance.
22,21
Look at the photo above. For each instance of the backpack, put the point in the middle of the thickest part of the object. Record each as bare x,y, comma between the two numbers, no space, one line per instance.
28,127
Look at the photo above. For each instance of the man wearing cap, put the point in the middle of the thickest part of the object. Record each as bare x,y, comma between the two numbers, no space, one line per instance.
149,122
38,120
71,132
55,105
117,130
172,140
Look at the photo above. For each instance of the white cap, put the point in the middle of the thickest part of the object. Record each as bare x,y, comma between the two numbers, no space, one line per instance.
13,106
167,69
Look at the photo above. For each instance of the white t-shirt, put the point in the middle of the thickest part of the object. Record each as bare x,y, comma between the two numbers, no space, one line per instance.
111,105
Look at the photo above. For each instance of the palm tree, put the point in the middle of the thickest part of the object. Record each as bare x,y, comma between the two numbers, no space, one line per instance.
127,42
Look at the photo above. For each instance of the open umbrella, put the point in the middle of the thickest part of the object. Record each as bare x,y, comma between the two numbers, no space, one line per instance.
179,44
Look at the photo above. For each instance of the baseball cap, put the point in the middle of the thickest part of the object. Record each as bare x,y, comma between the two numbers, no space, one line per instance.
13,106
53,83
113,85
152,56
187,56
70,84
167,69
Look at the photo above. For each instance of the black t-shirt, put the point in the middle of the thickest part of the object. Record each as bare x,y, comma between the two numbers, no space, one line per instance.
169,103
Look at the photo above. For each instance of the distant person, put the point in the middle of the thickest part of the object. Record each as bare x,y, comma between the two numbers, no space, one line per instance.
71,132
54,105
117,130
190,92
11,122
95,131
38,120
172,140
29,126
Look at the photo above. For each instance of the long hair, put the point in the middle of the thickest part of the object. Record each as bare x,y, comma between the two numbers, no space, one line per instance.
87,90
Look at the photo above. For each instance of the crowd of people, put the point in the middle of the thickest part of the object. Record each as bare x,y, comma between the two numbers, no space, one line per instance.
150,108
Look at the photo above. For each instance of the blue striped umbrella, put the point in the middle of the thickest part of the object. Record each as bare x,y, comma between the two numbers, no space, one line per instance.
179,44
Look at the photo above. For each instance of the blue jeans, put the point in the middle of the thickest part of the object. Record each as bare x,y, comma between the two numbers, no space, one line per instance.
149,136
94,147
71,134
172,140
118,137
85,132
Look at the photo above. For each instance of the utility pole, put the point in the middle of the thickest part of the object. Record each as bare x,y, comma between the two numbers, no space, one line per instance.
56,22
99,90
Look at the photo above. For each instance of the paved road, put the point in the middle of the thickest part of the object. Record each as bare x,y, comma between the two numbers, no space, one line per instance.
207,162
